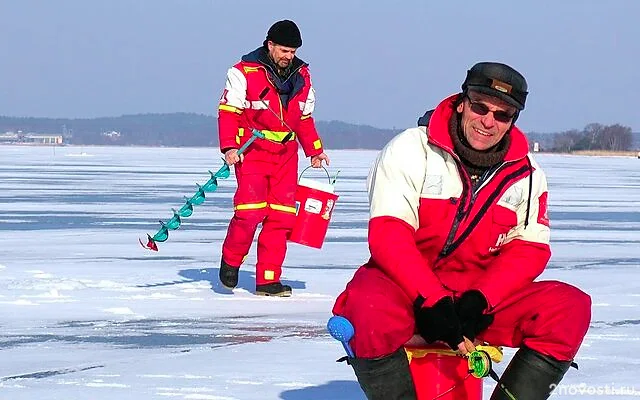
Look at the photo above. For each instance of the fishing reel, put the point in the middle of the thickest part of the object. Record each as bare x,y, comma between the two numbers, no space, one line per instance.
480,364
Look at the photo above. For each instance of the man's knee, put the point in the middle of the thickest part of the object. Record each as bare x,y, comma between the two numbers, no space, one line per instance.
576,306
380,313
562,322
250,218
281,218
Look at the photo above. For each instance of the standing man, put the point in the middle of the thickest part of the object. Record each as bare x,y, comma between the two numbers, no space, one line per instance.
269,90
458,233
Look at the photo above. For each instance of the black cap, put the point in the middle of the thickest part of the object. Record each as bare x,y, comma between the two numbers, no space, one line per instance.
284,33
498,80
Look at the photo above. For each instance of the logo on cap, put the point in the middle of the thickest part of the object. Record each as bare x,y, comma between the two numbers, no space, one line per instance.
501,86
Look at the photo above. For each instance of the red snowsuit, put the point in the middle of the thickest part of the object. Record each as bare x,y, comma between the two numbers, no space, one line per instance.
430,234
267,178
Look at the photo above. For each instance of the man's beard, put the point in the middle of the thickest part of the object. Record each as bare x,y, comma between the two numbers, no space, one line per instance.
282,70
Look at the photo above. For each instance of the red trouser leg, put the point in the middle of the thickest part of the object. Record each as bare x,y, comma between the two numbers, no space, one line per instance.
381,313
250,205
280,218
549,317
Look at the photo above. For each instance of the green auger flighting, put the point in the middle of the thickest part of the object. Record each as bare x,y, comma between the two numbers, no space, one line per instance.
198,198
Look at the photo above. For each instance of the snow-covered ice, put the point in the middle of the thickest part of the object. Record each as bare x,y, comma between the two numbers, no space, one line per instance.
86,313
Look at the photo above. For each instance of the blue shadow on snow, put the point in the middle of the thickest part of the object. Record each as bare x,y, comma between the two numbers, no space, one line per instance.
246,280
334,390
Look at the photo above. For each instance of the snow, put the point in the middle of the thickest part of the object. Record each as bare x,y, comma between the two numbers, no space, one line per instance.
87,313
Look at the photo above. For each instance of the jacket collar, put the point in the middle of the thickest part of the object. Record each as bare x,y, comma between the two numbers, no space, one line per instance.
260,56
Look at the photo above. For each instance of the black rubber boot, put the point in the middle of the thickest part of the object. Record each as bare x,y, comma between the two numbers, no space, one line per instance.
386,378
530,376
228,275
273,289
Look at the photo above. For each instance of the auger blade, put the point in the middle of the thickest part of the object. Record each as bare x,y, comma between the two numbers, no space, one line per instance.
151,244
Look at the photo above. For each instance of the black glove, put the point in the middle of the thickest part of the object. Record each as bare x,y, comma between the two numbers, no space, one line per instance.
438,322
470,308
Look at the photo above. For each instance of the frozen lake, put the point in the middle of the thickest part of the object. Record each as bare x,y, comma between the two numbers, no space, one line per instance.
86,313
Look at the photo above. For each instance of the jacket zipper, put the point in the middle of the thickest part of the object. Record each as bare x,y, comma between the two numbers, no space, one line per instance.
275,87
452,244
462,210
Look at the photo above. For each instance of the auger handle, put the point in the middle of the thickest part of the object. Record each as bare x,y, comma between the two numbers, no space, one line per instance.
255,134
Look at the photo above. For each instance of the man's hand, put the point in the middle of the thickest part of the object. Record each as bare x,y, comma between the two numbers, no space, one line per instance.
439,323
467,347
231,157
316,161
470,308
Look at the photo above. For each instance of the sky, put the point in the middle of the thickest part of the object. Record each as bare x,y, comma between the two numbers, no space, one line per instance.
376,63
87,313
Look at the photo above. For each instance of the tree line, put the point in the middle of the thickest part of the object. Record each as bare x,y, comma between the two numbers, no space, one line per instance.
189,129
178,130
594,136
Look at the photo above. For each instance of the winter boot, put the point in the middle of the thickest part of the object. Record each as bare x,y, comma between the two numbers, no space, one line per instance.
273,289
228,275
530,376
385,378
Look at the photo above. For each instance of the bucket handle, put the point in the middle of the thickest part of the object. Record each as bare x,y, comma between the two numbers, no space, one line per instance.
325,170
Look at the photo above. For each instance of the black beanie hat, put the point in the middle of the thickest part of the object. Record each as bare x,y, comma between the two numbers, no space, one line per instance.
498,80
284,33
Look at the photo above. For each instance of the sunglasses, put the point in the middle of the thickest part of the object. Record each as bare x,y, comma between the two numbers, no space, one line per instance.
482,109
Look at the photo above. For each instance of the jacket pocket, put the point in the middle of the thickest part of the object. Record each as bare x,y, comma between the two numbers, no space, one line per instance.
502,221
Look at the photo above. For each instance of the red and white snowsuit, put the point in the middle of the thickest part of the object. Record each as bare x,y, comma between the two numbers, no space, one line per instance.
267,178
431,234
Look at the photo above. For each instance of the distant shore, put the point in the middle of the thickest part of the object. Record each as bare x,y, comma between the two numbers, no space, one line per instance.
598,153
606,153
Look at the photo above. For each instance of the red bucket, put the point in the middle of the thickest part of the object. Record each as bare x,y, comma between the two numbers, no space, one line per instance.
439,373
314,205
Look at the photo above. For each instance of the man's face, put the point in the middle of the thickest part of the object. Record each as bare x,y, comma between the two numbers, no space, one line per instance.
281,55
485,119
